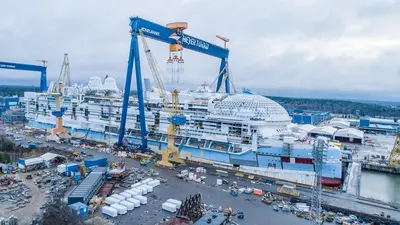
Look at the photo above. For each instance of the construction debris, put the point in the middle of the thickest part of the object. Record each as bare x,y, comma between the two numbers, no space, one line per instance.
13,191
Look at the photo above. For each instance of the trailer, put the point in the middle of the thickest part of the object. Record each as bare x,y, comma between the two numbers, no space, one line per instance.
109,211
168,207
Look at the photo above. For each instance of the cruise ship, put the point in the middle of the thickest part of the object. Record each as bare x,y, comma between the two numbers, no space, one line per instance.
247,131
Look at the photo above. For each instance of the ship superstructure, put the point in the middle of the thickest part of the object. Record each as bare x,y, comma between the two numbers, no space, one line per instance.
240,130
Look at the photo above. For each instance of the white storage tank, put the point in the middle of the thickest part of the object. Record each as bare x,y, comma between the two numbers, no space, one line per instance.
111,200
135,202
168,207
121,209
175,202
117,196
142,199
128,205
109,211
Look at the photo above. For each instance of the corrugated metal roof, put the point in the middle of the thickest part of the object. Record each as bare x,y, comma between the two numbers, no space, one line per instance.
87,187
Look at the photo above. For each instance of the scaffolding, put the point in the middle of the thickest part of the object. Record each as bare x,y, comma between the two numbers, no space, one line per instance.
319,156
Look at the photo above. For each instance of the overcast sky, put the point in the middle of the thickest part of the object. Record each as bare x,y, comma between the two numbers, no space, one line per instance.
307,48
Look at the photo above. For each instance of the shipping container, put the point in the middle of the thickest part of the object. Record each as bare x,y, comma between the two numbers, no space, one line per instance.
61,169
149,188
111,200
142,199
144,189
117,196
154,183
129,205
101,162
168,207
121,209
71,167
140,191
146,181
136,184
109,211
131,193
77,177
257,192
126,195
175,202
135,202
80,210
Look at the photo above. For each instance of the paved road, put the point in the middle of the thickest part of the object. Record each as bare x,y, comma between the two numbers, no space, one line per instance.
336,199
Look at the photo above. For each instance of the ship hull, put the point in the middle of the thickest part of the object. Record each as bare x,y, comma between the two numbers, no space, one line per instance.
254,161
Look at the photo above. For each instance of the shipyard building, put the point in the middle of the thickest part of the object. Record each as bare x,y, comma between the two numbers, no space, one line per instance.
300,116
375,125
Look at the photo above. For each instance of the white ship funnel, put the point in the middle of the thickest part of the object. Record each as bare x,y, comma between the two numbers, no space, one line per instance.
95,83
110,84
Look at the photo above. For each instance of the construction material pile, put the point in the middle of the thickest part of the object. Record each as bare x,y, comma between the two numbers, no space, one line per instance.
14,192
12,220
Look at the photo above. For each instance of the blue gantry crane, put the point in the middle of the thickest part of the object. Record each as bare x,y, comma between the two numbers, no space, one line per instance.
174,37
27,67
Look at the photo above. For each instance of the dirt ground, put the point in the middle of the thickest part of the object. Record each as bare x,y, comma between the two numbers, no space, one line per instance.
25,214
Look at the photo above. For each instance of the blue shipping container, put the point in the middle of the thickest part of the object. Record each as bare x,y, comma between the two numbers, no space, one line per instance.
95,162
80,210
77,177
71,167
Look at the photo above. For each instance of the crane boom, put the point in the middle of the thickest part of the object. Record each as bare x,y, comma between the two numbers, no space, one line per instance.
155,69
171,153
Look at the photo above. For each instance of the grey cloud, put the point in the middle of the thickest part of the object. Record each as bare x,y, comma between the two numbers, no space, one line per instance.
299,47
